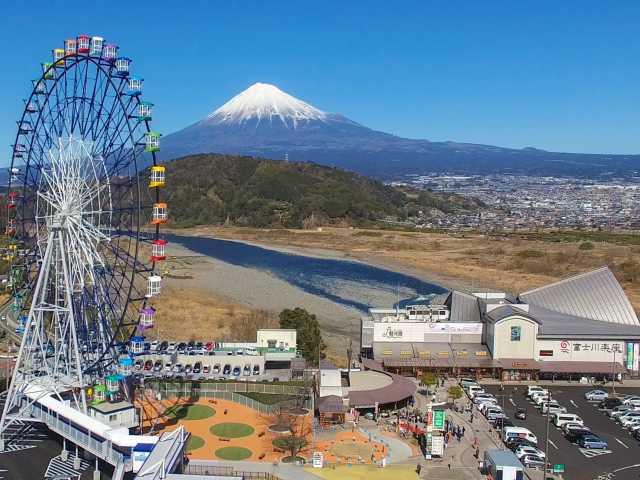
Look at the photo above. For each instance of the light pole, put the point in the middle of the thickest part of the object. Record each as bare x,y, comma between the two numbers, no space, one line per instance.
546,446
613,371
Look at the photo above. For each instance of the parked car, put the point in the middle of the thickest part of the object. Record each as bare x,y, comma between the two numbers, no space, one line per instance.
532,461
206,370
592,441
521,413
227,369
171,347
513,443
531,389
247,369
479,397
636,434
528,450
553,408
208,346
154,345
619,410
138,365
188,369
574,435
571,426
256,369
216,369
236,371
182,347
609,403
157,366
168,367
502,424
559,419
465,382
178,368
197,367
624,418
596,395
163,346
148,365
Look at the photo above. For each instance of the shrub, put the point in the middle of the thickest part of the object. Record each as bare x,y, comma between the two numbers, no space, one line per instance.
586,246
530,254
455,392
429,379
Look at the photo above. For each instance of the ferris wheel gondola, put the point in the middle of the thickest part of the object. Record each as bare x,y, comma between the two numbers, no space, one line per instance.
76,206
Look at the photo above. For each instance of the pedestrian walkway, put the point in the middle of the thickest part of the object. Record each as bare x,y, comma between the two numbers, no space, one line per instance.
280,470
58,468
398,451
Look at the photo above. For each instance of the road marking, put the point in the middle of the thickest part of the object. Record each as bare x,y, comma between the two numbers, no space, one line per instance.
625,446
573,403
512,402
590,452
554,445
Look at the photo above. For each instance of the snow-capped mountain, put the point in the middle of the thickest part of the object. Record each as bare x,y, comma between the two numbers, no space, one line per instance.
263,102
267,122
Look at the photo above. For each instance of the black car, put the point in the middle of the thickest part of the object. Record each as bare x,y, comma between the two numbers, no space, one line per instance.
197,367
227,369
513,443
199,346
636,434
191,345
609,403
521,413
182,347
147,346
574,435
163,347
500,423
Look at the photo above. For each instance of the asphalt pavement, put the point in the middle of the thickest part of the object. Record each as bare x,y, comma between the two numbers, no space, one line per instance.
621,461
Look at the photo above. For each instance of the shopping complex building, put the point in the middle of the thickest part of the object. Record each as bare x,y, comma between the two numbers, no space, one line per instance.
582,326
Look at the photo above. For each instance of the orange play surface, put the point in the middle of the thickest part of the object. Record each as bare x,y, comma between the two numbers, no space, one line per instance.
345,447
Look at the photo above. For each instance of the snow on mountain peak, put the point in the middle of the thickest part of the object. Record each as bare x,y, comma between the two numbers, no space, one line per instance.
265,102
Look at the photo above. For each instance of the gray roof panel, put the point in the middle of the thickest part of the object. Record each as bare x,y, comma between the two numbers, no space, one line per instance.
594,295
464,307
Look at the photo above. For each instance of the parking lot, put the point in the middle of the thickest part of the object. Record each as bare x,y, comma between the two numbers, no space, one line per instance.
620,461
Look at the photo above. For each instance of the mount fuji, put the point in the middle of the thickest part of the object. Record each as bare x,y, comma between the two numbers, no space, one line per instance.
266,122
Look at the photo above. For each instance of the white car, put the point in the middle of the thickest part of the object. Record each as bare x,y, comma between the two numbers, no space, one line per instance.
537,392
634,427
553,408
596,395
625,417
523,450
479,397
541,399
567,427
630,398
630,422
483,406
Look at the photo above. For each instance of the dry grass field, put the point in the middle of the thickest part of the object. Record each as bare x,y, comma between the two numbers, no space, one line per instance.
511,262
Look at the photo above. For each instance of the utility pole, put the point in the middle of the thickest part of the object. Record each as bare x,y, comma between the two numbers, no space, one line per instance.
613,371
546,446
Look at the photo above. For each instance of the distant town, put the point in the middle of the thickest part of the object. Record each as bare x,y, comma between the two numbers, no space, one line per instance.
532,202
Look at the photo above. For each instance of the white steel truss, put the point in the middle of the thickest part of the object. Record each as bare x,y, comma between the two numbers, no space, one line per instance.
74,205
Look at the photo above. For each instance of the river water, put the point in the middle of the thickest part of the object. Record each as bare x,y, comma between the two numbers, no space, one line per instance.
349,283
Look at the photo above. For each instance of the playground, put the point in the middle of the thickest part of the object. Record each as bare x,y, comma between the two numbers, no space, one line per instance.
225,430
221,429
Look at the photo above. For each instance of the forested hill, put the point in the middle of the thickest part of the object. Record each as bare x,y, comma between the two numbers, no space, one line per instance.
214,189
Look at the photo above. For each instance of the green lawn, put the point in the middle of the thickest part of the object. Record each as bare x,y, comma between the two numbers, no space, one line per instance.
194,443
190,412
231,430
233,453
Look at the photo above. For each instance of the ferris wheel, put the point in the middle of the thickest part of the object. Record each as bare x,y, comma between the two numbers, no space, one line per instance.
84,217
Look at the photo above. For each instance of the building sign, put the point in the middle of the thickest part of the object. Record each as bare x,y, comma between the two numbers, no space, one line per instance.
438,420
636,356
419,332
629,356
583,350
391,332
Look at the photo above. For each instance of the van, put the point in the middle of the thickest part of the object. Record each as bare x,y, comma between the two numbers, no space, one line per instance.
473,389
534,388
518,432
466,382
560,419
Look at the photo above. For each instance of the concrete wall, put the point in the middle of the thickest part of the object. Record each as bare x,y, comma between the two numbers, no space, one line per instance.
503,347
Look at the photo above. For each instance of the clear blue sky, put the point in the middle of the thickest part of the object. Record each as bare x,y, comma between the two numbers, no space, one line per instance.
558,75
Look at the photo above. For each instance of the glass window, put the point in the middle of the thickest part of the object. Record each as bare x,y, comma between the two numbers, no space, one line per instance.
515,334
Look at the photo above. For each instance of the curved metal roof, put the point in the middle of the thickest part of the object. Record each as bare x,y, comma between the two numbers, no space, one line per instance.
596,295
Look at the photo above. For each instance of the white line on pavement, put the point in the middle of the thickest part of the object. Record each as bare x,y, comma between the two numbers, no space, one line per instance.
553,444
625,446
573,403
512,402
